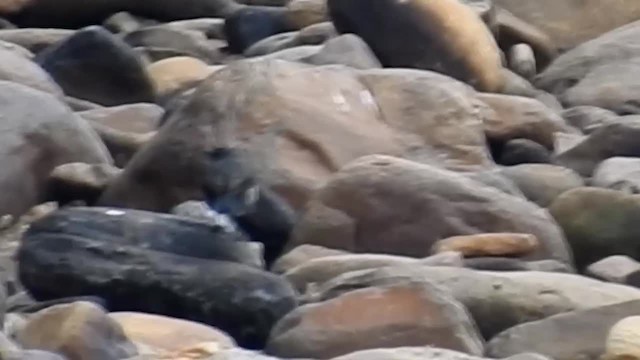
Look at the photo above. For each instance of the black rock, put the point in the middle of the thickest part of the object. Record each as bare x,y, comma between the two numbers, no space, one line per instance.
146,230
249,25
243,301
523,151
95,65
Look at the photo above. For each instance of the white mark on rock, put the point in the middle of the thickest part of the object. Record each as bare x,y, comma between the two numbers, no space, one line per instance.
115,212
341,102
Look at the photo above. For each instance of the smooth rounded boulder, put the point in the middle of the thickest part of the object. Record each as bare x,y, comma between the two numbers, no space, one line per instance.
381,204
265,109
445,36
496,300
95,65
40,134
79,331
410,314
598,223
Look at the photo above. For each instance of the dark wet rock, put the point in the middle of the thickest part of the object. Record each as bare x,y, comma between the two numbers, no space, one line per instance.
523,151
75,14
241,300
249,25
95,65
158,232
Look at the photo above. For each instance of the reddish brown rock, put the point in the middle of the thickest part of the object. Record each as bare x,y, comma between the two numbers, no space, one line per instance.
410,314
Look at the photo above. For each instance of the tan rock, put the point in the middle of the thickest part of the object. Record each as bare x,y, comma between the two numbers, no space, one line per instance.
79,331
623,341
80,181
497,244
521,117
456,41
401,207
8,7
174,73
170,335
303,13
412,314
136,118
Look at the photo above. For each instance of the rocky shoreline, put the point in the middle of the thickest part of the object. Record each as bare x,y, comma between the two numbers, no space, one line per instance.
319,179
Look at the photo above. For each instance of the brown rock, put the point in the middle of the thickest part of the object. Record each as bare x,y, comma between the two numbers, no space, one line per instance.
79,331
168,334
297,135
496,300
570,23
521,117
302,254
401,207
411,314
458,143
498,244
303,13
455,42
512,30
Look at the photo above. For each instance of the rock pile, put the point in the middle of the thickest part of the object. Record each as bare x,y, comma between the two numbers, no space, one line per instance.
319,180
